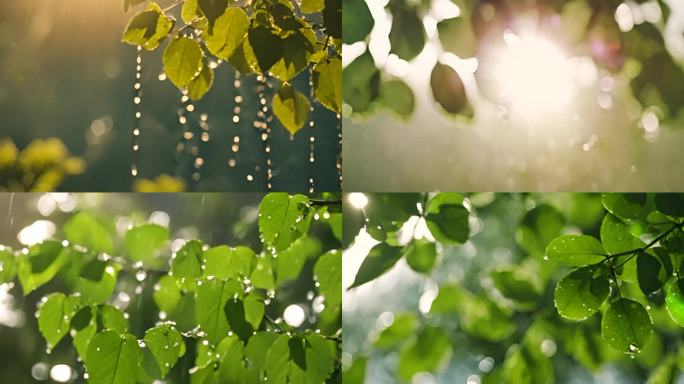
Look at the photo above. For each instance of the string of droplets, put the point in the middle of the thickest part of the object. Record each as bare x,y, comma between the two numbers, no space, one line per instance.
235,145
204,139
137,99
312,136
338,163
262,123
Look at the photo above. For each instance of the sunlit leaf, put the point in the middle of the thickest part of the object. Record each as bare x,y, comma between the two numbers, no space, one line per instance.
54,315
182,61
230,30
166,345
447,218
83,229
425,353
327,77
283,219
379,260
291,107
576,250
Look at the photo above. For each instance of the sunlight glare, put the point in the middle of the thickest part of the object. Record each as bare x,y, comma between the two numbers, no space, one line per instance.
534,74
358,200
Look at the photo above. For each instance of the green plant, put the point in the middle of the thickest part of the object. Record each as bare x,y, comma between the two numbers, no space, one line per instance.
218,307
584,281
264,37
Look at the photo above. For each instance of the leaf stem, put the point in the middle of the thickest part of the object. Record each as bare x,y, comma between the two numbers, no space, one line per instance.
650,244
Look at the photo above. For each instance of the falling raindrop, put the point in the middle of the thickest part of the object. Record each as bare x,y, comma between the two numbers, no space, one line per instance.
339,151
262,123
137,99
312,137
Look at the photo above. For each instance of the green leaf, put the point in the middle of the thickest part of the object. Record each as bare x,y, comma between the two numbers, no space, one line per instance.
166,345
291,107
539,226
112,318
167,293
357,22
407,35
230,30
615,235
328,274
189,11
289,263
96,290
84,326
84,230
624,205
283,219
224,261
200,85
421,255
332,18
144,242
448,89
356,373
674,302
262,275
457,36
297,50
575,250
148,28
651,273
54,315
580,293
401,329
312,6
448,299
212,10
8,265
182,61
520,284
187,263
40,265
113,359
244,316
299,360
259,343
327,78
447,218
232,369
429,350
379,260
361,83
398,97
386,213
212,296
626,325
671,204
266,47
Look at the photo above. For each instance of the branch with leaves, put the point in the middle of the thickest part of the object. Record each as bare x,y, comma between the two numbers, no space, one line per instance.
215,303
271,38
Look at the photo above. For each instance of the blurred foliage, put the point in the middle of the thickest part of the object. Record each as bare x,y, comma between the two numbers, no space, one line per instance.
581,27
581,283
140,305
162,183
41,166
265,37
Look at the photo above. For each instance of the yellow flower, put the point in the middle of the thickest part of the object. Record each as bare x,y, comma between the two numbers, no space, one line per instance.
163,183
41,154
8,153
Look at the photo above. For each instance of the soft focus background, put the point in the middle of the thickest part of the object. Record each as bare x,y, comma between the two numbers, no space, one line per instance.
213,218
64,73
495,241
599,139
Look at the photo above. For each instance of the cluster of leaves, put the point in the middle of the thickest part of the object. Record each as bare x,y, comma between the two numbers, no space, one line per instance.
215,303
41,166
161,183
623,296
586,27
265,37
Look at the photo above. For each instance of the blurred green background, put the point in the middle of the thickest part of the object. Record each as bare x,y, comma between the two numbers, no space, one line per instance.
64,73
